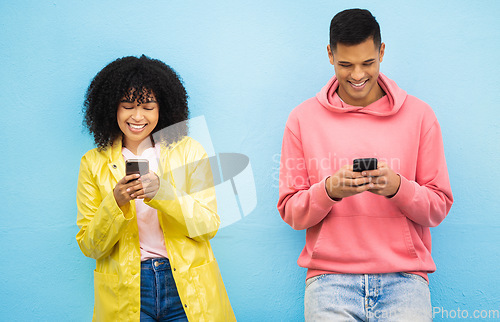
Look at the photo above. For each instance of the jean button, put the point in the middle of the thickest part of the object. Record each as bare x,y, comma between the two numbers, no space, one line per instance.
156,264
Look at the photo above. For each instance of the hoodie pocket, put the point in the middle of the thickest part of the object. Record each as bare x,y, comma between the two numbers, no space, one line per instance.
362,244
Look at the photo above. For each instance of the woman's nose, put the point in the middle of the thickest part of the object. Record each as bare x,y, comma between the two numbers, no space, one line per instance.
137,114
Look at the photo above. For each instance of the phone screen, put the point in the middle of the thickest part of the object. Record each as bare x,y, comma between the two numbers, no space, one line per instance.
360,165
140,166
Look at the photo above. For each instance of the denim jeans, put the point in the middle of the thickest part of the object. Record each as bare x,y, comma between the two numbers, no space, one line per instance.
159,298
367,297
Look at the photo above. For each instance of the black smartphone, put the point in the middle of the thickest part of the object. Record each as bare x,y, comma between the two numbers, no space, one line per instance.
133,166
359,165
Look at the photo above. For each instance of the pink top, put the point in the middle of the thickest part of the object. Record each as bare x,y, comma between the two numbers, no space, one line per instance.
151,239
365,233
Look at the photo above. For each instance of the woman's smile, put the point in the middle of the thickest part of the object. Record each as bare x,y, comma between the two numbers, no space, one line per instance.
137,120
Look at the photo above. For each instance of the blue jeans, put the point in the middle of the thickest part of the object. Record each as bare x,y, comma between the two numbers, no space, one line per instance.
159,298
367,297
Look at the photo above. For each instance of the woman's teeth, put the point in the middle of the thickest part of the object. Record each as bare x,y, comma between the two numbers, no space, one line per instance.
137,127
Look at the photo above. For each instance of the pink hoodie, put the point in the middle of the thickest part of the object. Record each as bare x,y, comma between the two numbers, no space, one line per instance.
365,233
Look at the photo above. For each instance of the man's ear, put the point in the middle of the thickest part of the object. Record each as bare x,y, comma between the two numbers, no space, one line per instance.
381,52
330,53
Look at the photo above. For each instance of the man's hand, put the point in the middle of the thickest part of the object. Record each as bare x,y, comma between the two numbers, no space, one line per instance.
346,183
385,181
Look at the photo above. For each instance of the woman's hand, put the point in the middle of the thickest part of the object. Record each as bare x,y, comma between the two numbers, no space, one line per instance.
126,188
150,183
139,188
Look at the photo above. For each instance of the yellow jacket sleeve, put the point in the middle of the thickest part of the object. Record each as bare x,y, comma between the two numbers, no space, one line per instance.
100,219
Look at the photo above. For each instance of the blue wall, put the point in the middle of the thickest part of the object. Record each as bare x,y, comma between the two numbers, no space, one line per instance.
246,65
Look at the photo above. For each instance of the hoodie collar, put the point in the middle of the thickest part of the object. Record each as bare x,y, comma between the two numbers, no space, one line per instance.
386,106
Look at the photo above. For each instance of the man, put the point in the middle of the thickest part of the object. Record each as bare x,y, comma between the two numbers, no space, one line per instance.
368,244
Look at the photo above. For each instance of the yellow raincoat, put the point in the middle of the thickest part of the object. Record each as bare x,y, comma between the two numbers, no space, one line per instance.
187,213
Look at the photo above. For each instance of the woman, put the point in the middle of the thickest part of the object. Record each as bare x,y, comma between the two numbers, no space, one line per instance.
149,234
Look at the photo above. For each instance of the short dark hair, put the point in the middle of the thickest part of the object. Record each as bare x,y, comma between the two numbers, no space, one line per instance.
352,27
133,77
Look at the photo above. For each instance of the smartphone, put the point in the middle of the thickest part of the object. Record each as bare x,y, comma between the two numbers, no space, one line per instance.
359,165
133,166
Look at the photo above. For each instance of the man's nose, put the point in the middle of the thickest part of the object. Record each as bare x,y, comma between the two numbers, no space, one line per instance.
358,73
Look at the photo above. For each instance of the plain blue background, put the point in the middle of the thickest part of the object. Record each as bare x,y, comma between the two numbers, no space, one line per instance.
246,65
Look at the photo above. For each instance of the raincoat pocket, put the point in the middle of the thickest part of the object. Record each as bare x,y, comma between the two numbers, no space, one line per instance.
210,287
106,304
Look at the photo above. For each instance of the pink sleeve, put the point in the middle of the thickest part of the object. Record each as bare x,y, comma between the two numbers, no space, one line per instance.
428,199
301,205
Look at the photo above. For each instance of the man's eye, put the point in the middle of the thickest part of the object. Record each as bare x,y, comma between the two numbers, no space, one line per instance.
127,107
368,64
345,65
